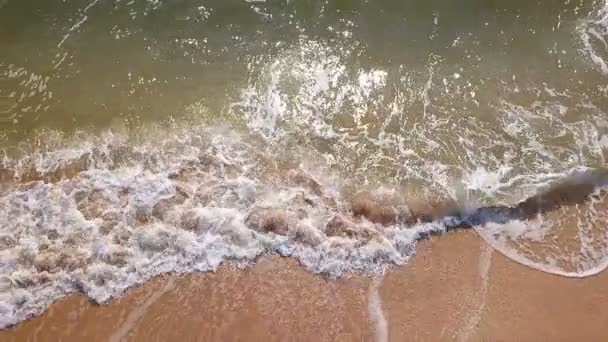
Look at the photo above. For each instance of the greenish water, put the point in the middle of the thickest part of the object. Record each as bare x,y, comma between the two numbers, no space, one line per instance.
287,69
103,60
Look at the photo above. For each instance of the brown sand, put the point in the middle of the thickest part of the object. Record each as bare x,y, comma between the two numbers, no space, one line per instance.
456,288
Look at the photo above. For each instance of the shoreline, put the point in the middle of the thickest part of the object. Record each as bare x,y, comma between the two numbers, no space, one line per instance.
454,288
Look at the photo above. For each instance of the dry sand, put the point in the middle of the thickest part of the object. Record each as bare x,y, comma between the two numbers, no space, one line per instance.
455,288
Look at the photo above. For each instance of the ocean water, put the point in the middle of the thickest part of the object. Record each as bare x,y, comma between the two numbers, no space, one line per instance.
140,137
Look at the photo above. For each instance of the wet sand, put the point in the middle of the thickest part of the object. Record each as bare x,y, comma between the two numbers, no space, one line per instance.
455,288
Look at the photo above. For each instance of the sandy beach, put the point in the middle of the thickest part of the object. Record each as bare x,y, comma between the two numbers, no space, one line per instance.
455,288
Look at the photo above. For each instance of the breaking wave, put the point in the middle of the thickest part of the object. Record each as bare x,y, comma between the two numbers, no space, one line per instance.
100,214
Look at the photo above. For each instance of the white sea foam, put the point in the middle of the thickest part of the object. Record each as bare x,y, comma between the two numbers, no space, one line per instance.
78,23
101,216
28,92
309,86
127,211
593,32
